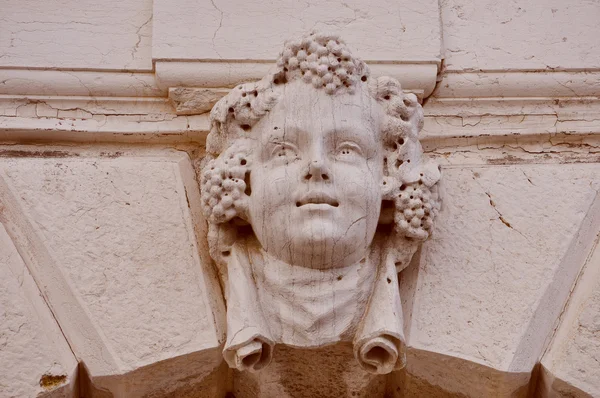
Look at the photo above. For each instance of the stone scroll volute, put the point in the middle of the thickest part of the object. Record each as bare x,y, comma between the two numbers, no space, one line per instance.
317,193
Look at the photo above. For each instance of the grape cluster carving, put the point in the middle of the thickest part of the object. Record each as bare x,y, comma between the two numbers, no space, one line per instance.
223,184
323,60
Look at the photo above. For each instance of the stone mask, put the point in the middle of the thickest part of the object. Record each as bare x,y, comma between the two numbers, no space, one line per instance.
317,172
316,191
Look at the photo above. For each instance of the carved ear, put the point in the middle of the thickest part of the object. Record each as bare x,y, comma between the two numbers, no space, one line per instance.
221,238
389,186
388,209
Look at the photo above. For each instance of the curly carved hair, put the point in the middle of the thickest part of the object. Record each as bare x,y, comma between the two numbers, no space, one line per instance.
325,62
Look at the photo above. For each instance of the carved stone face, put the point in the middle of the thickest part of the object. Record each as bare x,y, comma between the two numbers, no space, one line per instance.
316,177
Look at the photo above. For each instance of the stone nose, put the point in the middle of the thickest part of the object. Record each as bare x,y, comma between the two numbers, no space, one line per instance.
318,170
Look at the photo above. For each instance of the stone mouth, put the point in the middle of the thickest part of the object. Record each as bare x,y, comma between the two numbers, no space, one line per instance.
317,198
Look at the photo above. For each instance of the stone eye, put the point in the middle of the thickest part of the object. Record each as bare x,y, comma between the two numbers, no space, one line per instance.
347,149
284,151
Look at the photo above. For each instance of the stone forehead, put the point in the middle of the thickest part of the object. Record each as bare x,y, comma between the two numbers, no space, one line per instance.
301,103
320,61
292,105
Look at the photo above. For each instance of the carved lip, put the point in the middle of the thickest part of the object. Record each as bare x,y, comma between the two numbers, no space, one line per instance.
317,198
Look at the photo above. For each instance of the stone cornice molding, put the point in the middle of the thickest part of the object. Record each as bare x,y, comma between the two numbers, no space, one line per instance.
416,76
456,122
73,82
449,122
519,83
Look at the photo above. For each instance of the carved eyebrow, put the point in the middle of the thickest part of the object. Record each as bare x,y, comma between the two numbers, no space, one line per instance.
274,137
350,134
349,142
289,134
280,142
275,140
279,139
283,140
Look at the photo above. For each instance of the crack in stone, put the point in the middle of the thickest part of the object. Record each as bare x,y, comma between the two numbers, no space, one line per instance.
139,40
218,28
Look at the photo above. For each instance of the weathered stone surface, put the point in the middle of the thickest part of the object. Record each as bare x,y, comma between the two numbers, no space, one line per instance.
310,373
571,366
112,240
220,30
194,101
76,34
497,272
35,359
528,35
520,49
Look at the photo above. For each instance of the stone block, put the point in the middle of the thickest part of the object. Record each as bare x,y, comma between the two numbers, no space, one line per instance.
571,366
252,30
497,36
36,359
113,239
482,302
71,34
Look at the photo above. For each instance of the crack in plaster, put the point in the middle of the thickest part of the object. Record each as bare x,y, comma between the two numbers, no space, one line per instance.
500,216
218,28
139,39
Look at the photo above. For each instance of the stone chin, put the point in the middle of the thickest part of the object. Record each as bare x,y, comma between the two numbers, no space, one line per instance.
319,240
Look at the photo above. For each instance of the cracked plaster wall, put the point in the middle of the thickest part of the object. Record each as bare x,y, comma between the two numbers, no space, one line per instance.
114,35
520,35
35,356
215,29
